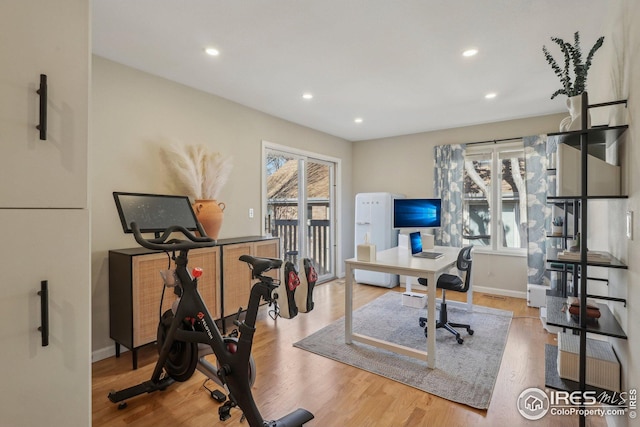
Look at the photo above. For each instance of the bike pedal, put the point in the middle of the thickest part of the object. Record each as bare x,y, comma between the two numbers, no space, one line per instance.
218,396
224,412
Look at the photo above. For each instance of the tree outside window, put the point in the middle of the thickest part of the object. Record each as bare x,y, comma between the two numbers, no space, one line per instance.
495,199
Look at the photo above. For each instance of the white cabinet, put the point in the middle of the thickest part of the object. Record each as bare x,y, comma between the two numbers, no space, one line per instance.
374,218
45,385
52,38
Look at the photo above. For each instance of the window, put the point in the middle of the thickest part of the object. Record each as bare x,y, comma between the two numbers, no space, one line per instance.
494,198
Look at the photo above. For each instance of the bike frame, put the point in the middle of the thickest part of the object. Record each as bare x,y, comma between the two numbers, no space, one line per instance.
192,305
233,366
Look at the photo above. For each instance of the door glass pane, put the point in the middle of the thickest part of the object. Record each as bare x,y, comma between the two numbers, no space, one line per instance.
300,208
282,202
476,213
318,233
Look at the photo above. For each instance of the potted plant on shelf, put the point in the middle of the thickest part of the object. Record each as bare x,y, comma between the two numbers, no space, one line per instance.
557,226
200,173
572,87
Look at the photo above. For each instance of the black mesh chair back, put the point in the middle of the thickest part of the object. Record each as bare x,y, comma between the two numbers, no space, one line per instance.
464,264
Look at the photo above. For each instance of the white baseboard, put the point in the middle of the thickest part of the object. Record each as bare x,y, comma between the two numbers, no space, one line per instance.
501,292
483,289
107,352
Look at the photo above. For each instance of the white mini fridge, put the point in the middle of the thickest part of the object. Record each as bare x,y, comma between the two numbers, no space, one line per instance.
374,215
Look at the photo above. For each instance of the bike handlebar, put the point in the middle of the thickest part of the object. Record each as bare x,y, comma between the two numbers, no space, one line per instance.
163,243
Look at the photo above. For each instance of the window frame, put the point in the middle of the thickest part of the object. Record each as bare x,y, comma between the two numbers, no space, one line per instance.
496,230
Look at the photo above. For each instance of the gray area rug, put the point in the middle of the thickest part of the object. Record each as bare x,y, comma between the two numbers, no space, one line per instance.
465,373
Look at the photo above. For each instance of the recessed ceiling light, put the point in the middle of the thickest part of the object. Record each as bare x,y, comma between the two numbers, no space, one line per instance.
491,95
212,51
470,52
358,120
307,95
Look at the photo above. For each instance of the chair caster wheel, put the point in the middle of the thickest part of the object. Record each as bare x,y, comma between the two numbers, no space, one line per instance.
470,331
122,406
460,340
421,323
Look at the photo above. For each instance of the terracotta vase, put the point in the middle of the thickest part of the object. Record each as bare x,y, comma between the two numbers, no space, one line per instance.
210,214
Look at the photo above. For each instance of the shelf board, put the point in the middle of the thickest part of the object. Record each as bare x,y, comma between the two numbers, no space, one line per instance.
561,270
552,378
595,135
560,198
559,236
552,256
557,292
606,325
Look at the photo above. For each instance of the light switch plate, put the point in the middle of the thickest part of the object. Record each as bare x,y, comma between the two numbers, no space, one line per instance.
630,225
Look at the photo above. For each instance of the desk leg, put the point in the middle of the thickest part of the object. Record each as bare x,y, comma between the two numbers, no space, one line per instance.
348,304
431,320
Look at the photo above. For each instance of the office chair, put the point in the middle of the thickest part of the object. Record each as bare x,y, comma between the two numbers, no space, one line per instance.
451,282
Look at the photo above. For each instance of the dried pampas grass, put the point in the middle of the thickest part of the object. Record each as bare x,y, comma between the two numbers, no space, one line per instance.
196,171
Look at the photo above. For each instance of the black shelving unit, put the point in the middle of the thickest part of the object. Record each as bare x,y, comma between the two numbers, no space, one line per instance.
570,210
587,140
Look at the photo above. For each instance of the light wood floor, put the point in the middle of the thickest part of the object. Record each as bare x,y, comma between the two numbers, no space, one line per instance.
337,394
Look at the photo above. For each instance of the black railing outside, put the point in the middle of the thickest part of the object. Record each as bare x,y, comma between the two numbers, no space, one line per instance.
319,240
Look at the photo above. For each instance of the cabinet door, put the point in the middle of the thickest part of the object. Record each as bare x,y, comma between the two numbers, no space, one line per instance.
45,386
147,287
236,277
268,249
44,37
209,283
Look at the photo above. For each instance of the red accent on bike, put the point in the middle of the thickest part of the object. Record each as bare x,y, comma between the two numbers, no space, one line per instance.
312,277
196,272
232,347
200,315
293,281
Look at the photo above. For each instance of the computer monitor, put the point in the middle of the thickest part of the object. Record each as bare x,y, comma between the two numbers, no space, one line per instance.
154,213
417,213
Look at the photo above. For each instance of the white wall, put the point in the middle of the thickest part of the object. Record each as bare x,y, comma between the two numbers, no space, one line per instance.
404,165
134,112
619,61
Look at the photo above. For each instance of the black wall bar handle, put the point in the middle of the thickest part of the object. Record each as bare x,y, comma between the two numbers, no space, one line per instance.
44,312
42,127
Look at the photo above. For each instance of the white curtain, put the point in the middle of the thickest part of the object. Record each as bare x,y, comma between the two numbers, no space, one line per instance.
448,186
538,211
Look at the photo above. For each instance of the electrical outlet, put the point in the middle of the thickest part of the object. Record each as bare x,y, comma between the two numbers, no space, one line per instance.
250,212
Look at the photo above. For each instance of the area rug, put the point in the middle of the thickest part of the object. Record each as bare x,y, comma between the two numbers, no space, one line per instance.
464,373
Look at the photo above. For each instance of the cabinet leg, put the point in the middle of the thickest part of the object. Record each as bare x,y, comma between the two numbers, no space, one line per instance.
117,349
134,358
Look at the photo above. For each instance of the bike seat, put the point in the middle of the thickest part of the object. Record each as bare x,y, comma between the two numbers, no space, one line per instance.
259,265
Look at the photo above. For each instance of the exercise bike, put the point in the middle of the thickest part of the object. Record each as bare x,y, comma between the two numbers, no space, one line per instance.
187,332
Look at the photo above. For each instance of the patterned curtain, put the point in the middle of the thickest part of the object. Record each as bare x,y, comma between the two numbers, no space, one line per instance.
538,212
448,185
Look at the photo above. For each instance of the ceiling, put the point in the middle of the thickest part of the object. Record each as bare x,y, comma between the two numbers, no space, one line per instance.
397,65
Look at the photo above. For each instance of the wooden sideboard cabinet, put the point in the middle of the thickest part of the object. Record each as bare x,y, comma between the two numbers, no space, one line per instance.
236,275
135,286
135,290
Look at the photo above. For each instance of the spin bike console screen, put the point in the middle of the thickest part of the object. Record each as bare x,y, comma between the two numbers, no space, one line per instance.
154,213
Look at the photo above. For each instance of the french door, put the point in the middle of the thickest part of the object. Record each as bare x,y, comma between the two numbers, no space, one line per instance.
299,206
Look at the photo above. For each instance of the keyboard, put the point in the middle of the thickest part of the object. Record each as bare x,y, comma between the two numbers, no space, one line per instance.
429,255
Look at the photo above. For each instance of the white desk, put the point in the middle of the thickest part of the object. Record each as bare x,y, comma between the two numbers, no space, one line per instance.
399,261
